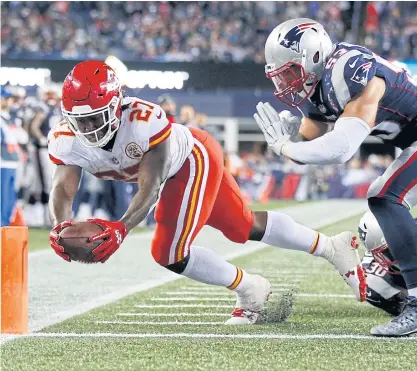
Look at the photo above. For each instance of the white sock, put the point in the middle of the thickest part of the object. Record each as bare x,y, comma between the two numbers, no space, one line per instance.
412,292
206,266
282,231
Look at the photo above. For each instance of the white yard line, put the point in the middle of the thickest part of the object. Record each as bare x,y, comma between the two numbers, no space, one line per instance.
179,306
203,289
346,296
231,294
101,335
151,323
213,299
182,314
222,298
214,294
218,289
283,284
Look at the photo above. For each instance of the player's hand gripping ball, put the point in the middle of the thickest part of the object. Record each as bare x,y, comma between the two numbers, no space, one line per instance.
71,241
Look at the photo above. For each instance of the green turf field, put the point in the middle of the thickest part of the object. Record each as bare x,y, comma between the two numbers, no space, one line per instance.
313,323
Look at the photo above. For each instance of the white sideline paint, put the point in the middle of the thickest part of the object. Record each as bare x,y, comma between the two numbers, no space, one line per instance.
151,323
179,306
173,314
214,336
102,300
81,288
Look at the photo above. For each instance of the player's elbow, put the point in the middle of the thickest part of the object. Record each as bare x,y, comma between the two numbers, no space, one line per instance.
343,151
342,158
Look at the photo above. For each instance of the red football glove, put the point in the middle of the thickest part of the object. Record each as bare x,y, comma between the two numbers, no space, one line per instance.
54,238
113,235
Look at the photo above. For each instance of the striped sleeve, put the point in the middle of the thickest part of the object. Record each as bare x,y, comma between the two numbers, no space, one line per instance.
55,160
161,136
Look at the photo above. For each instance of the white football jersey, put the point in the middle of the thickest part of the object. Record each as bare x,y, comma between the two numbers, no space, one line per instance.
143,125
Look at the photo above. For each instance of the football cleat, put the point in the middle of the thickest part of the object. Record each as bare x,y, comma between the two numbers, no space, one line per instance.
251,302
341,251
403,325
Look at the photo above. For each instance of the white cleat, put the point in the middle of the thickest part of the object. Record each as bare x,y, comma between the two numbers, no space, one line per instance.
251,302
341,251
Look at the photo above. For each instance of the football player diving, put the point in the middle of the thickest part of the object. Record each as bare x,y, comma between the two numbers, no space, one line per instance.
182,171
359,92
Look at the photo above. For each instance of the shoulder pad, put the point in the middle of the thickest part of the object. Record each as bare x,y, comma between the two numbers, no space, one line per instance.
347,72
150,120
60,143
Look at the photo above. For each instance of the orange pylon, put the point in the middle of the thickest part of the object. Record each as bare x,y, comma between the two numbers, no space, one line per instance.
14,280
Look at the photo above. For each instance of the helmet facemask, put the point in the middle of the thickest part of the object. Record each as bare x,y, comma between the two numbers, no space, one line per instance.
94,128
384,258
292,85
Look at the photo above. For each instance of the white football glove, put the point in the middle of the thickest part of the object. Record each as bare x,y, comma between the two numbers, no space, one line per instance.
277,128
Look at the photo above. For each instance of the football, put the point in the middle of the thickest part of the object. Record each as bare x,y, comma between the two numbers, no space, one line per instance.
74,239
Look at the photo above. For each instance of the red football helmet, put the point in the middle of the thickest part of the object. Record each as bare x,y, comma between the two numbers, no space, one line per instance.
91,102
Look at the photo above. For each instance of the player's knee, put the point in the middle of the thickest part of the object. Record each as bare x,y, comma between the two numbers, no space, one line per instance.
375,188
376,203
259,226
159,255
162,259
179,266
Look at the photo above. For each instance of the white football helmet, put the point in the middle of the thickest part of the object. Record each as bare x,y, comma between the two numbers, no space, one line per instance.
296,52
370,233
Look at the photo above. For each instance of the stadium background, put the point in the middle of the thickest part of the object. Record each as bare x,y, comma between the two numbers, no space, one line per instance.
203,61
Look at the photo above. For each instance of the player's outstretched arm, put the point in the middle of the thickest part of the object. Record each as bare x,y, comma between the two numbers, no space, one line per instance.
153,171
65,183
350,130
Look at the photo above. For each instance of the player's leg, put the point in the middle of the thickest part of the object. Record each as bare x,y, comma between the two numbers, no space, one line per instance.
183,209
238,223
390,198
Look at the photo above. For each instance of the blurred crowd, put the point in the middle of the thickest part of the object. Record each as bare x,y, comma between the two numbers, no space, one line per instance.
189,31
263,176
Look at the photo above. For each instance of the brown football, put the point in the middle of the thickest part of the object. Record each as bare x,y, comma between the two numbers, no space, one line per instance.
74,239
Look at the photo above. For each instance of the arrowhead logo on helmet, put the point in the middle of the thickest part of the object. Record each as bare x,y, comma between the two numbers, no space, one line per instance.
292,38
